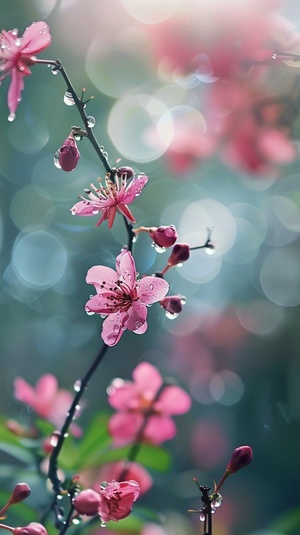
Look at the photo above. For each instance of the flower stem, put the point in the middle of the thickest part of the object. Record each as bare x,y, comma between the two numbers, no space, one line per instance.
52,473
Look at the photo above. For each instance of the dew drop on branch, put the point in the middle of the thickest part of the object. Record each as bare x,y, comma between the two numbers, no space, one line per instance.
91,121
68,99
56,160
77,385
11,117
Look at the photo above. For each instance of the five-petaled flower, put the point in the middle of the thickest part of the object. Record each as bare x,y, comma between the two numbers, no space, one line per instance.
113,197
122,297
17,55
145,397
116,499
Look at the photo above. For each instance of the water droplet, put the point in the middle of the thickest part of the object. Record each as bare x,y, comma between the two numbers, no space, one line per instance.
95,212
55,70
78,408
18,42
91,121
103,485
217,501
74,211
89,312
56,160
116,328
54,438
202,517
151,287
103,524
183,299
59,497
103,316
77,385
15,31
171,315
68,99
76,521
134,239
274,55
179,265
149,305
158,248
213,510
11,117
210,249
66,435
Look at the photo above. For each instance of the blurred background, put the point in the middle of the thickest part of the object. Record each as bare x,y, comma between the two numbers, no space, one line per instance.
158,71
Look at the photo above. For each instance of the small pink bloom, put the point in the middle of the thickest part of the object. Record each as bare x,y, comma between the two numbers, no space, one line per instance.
17,55
46,399
87,502
116,471
69,154
20,493
135,399
241,457
34,528
122,297
117,499
113,197
164,236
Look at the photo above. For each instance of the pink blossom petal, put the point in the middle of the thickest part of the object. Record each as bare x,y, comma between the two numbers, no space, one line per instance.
111,215
112,328
85,208
121,394
276,147
124,426
36,37
159,428
173,400
147,378
136,317
46,387
15,88
152,289
23,391
123,208
134,189
125,267
102,304
101,276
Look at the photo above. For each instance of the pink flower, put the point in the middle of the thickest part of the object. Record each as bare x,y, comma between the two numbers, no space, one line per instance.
135,399
114,472
117,499
113,197
122,297
17,55
46,399
69,154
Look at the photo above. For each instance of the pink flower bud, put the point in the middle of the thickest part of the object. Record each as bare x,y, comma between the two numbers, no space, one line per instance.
172,304
34,528
180,253
69,154
240,458
164,236
87,502
127,171
20,493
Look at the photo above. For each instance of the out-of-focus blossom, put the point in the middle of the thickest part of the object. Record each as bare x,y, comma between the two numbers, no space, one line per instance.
87,502
46,399
145,397
34,528
117,499
68,154
122,297
113,197
17,55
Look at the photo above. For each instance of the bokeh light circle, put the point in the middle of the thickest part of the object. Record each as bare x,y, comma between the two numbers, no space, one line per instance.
151,11
226,387
39,258
280,276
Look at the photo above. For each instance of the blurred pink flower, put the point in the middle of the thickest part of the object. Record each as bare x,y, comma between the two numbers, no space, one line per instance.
115,471
113,197
34,528
116,499
17,55
46,399
122,297
135,400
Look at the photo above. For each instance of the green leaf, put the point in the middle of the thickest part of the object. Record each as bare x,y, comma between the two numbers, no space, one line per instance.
289,523
17,452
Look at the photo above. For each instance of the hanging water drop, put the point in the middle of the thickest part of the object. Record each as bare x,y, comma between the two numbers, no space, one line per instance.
59,497
69,99
183,299
202,517
210,249
55,70
89,312
217,501
134,239
171,315
74,211
11,117
103,524
91,121
274,55
18,42
56,160
77,385
76,521
54,438
158,248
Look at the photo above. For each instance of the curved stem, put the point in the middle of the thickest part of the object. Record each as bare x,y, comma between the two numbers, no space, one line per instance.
52,473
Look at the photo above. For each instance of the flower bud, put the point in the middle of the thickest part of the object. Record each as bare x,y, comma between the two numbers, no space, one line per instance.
68,154
128,171
180,253
241,457
34,528
172,304
87,502
164,236
20,493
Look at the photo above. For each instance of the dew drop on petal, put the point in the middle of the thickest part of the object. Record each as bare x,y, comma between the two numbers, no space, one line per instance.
274,55
95,212
11,117
15,31
91,121
56,160
89,312
151,287
171,315
18,42
74,211
68,99
77,385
